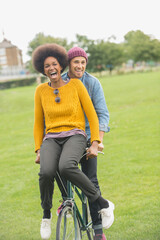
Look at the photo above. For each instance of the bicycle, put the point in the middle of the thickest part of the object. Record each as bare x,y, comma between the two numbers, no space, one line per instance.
73,224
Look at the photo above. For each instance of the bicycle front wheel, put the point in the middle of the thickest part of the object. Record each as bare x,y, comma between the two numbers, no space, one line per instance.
67,225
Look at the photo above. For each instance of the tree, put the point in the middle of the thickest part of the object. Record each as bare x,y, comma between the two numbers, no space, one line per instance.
96,57
140,47
83,42
104,55
155,50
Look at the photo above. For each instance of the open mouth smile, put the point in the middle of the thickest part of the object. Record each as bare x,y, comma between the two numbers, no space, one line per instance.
53,74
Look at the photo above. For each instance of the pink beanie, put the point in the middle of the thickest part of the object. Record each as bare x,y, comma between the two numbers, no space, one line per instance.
77,52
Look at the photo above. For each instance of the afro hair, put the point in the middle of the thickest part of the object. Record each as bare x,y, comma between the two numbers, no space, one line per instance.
49,50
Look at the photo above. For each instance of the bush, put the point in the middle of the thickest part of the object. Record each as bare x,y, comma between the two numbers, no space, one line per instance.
19,82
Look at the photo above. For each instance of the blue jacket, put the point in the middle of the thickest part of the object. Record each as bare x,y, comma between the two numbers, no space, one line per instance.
95,91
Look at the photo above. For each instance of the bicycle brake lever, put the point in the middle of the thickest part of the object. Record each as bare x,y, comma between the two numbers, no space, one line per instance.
101,152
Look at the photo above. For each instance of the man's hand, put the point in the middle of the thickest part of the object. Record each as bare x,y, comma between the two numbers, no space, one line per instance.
38,157
100,147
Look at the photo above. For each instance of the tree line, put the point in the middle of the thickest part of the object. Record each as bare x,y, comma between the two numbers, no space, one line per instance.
102,55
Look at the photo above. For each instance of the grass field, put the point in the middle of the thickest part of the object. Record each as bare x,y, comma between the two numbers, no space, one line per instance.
129,172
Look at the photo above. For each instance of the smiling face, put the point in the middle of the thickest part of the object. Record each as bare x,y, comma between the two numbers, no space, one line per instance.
77,67
52,69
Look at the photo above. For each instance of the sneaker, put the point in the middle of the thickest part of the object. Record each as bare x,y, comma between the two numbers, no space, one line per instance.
59,209
107,215
100,237
45,230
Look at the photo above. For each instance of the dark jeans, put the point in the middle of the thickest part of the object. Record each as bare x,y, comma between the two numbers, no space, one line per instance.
63,154
89,168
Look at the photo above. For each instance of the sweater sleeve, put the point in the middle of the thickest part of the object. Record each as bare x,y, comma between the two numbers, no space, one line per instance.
89,111
38,120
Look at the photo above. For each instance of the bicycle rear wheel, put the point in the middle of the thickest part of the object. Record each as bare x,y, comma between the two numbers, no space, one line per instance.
67,225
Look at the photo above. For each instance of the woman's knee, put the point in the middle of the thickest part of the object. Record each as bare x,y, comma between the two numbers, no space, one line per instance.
47,174
66,169
63,169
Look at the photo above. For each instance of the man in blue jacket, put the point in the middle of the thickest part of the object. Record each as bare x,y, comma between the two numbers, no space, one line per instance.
77,65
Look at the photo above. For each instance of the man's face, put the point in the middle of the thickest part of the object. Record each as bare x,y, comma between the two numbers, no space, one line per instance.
77,67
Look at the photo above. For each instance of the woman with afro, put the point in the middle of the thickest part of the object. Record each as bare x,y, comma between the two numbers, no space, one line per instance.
61,104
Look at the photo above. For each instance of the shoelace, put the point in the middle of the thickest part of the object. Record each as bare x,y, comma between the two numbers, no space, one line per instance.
45,223
105,213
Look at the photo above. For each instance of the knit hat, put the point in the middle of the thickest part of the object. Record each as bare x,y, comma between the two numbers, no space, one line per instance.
77,52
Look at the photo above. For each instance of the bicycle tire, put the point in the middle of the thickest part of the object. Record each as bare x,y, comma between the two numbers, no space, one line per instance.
66,225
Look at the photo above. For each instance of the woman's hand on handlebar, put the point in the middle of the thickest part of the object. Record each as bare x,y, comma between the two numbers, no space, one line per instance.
92,151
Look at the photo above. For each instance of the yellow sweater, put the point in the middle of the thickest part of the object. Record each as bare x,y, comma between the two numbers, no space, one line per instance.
65,115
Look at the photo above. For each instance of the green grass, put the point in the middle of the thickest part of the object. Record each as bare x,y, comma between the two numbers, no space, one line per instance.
129,172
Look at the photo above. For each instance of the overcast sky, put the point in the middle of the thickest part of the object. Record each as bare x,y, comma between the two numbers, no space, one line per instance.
21,20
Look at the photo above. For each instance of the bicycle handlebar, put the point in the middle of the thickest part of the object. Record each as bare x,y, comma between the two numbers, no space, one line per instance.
88,153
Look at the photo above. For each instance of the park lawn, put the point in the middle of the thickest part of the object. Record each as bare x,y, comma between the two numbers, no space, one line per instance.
128,173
